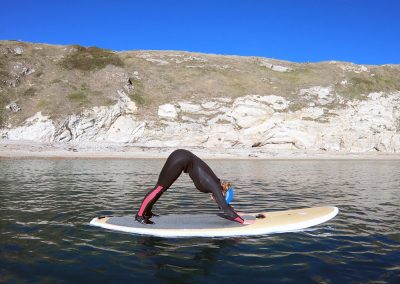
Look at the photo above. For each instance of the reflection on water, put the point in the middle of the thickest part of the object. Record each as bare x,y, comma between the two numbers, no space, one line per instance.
46,206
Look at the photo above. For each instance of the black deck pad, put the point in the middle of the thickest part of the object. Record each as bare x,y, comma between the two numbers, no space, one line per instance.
180,221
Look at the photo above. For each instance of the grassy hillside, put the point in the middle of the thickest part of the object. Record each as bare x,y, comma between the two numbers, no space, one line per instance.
61,80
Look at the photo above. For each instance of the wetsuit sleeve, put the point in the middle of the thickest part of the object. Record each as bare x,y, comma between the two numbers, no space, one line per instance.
229,212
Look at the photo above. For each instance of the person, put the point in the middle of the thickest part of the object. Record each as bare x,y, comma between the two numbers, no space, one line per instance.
203,178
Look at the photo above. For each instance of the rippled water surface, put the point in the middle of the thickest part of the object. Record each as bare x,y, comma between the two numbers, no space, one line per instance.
46,206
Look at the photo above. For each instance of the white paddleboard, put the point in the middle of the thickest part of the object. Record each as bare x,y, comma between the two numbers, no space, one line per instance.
213,225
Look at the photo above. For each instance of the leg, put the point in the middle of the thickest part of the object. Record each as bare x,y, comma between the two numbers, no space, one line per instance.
178,161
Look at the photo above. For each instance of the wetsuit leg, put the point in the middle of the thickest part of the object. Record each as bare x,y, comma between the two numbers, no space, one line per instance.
148,201
178,161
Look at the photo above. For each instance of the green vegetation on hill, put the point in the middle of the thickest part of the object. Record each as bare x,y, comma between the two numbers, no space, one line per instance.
359,85
3,104
30,92
64,80
4,75
79,98
137,93
90,58
82,96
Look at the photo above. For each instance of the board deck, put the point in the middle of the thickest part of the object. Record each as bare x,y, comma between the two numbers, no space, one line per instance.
214,225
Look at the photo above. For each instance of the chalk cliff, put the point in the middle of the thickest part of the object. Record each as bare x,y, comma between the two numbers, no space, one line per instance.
179,99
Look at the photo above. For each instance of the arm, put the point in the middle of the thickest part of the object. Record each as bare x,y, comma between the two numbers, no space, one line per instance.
229,212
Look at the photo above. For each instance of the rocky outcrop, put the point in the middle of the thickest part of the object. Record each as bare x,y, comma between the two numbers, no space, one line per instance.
36,128
112,124
253,121
18,71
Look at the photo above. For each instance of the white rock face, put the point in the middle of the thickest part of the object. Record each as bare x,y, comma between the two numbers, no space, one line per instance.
248,122
249,110
189,107
36,128
167,111
354,68
323,95
18,50
311,112
110,124
158,61
125,103
18,71
190,59
210,105
274,67
125,129
275,102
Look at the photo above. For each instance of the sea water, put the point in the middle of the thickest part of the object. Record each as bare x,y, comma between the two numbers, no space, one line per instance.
46,206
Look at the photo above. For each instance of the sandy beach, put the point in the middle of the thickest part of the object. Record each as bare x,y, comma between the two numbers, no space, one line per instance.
29,150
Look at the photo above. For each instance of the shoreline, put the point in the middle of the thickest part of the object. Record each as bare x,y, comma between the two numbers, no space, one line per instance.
32,150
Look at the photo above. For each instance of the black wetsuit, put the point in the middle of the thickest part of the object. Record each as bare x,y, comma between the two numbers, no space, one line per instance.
203,177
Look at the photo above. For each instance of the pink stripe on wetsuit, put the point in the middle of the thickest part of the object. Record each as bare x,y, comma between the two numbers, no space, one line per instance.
153,194
238,219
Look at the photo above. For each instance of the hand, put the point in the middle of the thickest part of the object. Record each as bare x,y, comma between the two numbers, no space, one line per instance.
249,222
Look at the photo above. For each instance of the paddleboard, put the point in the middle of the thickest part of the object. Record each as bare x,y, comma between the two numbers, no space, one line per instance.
214,225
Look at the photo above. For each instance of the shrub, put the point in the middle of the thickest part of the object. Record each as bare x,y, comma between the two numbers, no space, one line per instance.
365,85
137,93
78,97
90,58
4,76
138,99
56,81
30,92
42,104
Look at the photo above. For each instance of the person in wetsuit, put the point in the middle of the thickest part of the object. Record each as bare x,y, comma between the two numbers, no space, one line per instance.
203,178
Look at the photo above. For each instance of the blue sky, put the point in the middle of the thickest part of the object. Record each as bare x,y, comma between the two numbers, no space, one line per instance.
360,31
